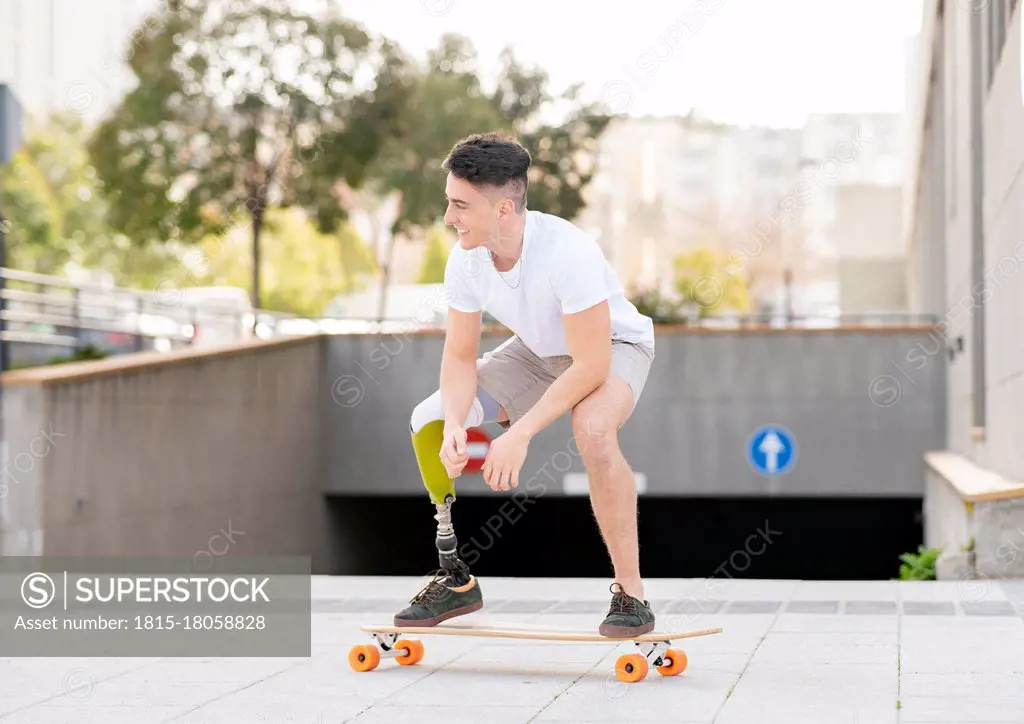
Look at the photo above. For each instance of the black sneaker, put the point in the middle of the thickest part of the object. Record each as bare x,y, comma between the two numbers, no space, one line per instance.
440,600
627,616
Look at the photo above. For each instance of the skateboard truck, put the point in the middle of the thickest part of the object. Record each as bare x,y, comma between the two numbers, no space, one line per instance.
387,642
388,646
655,652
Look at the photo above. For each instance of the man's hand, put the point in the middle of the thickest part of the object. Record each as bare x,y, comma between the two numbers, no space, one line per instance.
505,459
453,450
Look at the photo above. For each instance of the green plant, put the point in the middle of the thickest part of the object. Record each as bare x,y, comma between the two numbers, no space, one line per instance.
919,566
706,280
88,352
660,308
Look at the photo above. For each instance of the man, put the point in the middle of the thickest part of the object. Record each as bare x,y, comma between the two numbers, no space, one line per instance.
579,346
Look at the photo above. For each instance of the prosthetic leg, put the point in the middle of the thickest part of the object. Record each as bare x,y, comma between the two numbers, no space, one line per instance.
454,591
427,444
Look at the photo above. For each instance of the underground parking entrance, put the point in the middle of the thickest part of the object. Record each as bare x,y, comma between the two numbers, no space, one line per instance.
785,538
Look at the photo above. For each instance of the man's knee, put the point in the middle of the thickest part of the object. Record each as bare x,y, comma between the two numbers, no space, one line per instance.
427,411
596,435
432,409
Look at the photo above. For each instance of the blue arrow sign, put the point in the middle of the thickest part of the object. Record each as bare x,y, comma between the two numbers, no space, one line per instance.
771,450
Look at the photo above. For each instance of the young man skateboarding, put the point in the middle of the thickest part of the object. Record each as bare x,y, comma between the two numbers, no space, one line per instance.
579,345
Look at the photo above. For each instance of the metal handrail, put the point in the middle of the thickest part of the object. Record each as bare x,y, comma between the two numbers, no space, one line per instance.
59,312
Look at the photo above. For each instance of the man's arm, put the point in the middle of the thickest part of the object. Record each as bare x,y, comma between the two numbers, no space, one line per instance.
589,336
458,365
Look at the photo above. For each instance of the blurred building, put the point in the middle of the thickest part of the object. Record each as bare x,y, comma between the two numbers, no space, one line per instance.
68,55
816,207
627,198
851,207
964,228
669,185
871,265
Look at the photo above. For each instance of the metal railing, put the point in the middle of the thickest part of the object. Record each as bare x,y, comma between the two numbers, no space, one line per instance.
46,317
783,320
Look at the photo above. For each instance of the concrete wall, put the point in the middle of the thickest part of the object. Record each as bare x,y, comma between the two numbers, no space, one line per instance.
176,454
863,405
1002,117
975,517
237,450
969,190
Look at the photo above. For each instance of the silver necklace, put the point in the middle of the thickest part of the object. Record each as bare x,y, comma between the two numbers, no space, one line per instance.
519,263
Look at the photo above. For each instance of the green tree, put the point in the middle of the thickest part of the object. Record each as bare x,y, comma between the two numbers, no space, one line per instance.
447,103
562,153
56,211
450,103
435,256
240,106
706,279
304,269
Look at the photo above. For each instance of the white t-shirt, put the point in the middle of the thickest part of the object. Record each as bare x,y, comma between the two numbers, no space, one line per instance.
561,270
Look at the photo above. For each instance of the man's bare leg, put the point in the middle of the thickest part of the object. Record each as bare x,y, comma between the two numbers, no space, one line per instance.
596,422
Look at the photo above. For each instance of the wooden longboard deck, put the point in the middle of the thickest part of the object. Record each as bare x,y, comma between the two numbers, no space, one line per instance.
522,631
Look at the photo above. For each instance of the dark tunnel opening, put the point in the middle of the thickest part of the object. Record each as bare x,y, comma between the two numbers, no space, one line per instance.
789,538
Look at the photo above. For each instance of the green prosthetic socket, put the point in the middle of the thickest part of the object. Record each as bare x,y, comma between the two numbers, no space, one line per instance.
427,445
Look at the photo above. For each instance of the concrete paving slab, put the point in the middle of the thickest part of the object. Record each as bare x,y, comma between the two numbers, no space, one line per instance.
988,608
90,714
929,608
961,709
831,607
848,590
949,590
476,715
836,624
957,684
754,606
870,608
807,649
813,693
694,696
791,651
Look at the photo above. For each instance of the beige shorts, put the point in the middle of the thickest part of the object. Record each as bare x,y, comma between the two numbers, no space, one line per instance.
517,378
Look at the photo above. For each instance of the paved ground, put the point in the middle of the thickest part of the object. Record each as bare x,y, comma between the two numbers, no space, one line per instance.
791,651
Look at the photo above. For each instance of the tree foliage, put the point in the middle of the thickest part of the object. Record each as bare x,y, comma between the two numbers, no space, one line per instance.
241,105
563,152
304,267
49,199
450,102
706,280
56,212
435,256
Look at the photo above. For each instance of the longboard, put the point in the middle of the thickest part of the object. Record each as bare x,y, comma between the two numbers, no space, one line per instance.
652,648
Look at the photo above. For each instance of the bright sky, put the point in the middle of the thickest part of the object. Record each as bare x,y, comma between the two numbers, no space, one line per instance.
742,61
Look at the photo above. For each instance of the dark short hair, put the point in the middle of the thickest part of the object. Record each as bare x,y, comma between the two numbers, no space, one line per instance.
491,159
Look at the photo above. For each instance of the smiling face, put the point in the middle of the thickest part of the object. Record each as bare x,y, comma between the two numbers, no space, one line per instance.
486,191
479,217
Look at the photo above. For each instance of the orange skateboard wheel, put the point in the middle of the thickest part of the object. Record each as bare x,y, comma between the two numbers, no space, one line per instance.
630,668
677,659
364,657
415,649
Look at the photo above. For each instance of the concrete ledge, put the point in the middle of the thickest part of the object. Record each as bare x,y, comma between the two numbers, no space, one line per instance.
976,516
972,483
72,371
